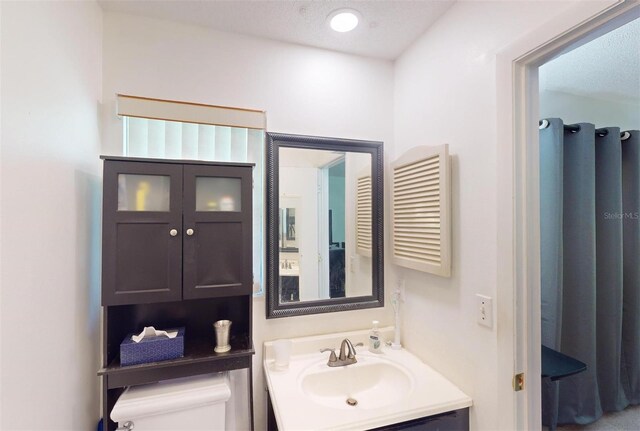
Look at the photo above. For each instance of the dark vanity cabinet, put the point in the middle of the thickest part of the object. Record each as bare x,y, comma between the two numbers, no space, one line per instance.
177,252
289,289
455,420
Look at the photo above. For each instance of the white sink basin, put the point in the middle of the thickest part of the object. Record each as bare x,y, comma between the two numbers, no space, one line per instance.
391,387
370,383
289,268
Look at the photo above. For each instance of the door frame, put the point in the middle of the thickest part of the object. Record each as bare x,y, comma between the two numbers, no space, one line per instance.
518,271
324,270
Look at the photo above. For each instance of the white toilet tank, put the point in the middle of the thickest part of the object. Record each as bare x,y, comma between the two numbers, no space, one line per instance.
189,404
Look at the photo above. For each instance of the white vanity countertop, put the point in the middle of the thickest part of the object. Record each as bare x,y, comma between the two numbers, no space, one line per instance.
430,393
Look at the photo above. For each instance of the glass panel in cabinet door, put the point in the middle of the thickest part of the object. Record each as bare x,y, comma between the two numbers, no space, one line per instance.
143,192
218,194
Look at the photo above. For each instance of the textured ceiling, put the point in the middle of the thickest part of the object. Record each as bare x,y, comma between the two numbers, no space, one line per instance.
607,67
387,28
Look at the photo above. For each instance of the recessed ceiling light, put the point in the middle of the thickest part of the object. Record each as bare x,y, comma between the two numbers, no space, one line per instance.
343,20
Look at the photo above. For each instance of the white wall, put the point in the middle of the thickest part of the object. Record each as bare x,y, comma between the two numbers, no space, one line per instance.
304,91
50,225
445,92
573,108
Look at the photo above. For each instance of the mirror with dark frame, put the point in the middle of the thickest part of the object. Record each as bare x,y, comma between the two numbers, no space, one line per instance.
324,225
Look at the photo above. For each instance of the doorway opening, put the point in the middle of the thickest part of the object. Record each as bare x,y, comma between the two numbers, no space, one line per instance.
332,236
589,103
519,189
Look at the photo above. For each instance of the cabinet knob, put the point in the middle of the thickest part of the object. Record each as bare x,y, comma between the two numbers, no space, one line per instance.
189,232
173,232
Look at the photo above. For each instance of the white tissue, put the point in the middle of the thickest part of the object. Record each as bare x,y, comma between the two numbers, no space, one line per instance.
150,331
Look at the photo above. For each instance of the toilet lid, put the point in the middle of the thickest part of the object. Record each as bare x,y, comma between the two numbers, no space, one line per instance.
170,396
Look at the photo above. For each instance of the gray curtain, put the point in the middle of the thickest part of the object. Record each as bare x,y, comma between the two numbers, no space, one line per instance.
590,268
631,277
551,240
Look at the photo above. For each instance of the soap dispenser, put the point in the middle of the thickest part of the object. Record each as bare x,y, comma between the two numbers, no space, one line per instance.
375,343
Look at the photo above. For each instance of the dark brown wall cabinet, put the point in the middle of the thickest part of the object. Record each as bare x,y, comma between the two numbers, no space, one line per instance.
177,239
175,231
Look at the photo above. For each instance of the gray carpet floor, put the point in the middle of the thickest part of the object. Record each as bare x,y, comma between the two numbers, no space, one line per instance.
628,419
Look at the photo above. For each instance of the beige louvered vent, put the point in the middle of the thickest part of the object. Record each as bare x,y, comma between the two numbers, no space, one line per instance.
363,216
420,214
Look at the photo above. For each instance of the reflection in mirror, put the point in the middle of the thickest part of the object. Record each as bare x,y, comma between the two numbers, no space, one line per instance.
287,234
319,187
324,228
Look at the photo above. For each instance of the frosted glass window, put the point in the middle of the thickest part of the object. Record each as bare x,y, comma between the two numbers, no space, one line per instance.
143,192
175,140
218,194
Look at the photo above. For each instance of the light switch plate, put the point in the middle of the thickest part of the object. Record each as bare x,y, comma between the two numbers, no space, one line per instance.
484,309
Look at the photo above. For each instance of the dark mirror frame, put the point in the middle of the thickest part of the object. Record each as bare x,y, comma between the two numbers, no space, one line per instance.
275,141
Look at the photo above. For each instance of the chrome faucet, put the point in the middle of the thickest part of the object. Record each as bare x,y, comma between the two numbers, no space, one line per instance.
347,354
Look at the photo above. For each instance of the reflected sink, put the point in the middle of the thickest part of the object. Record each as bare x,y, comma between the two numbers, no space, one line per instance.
370,383
289,268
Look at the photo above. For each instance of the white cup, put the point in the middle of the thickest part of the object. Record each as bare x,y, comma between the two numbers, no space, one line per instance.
282,349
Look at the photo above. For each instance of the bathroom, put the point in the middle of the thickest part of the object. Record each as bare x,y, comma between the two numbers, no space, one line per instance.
62,64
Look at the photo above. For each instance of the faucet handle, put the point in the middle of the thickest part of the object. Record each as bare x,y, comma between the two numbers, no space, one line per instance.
332,357
353,353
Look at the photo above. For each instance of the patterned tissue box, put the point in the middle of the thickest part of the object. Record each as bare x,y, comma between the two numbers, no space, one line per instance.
152,349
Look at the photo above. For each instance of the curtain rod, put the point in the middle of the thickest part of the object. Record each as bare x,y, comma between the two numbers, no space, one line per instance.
573,128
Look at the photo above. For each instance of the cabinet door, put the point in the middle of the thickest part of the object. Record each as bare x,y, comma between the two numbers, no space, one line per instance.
217,211
142,233
456,420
